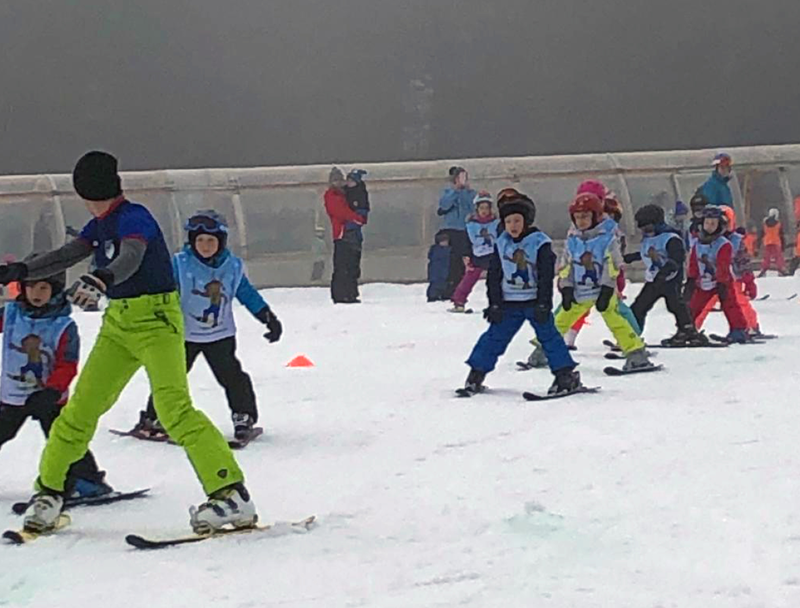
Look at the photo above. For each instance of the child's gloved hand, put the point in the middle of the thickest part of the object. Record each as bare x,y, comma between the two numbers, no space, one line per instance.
604,299
568,298
273,324
541,313
493,314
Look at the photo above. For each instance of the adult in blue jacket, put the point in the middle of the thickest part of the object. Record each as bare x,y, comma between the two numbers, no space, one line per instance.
455,206
716,189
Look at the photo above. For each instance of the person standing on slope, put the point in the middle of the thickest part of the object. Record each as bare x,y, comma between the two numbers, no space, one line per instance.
773,241
455,206
209,277
716,188
346,243
520,288
482,231
142,327
664,257
710,274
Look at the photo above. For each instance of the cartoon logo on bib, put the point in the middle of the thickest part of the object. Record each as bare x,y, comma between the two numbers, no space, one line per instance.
709,270
31,346
523,271
591,270
215,293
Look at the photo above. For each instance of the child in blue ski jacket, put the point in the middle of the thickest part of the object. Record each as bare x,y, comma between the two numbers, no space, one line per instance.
209,276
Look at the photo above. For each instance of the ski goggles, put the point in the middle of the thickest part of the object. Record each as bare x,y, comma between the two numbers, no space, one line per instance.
207,224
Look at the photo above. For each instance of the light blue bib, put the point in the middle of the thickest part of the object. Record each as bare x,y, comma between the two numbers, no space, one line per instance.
654,254
519,265
482,237
588,262
707,262
207,296
29,352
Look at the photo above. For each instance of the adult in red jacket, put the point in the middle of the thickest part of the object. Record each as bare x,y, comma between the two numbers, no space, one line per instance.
346,243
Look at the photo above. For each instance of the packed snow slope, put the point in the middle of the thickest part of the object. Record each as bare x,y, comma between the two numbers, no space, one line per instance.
674,489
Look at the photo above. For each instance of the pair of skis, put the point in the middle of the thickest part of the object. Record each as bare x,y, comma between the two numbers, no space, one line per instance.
234,444
23,536
465,393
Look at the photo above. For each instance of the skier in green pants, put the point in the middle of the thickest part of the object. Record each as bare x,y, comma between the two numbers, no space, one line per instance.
142,326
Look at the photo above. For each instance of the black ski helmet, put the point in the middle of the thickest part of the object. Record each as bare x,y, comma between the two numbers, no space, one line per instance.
207,221
649,215
58,281
712,211
698,201
509,203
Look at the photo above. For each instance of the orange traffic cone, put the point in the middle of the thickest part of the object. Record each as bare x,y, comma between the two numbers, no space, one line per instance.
300,361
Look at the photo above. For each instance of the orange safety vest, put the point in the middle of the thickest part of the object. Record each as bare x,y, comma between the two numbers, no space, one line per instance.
772,235
750,242
797,245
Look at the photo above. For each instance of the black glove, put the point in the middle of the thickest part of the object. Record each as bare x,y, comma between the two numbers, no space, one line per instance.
493,314
722,291
275,327
568,298
86,291
604,299
15,271
42,402
688,289
541,313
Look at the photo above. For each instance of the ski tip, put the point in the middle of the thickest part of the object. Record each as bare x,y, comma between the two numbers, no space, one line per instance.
139,542
13,537
18,508
536,397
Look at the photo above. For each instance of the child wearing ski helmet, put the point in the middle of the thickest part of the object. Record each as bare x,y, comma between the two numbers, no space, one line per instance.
482,232
773,241
588,278
744,282
142,327
697,204
41,351
520,288
710,274
209,278
664,256
612,211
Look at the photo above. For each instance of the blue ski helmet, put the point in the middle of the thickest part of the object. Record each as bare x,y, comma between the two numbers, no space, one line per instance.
208,222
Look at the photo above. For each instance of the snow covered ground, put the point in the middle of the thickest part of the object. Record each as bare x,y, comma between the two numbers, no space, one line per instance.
679,489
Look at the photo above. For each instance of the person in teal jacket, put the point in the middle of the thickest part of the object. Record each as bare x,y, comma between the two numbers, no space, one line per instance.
716,189
455,206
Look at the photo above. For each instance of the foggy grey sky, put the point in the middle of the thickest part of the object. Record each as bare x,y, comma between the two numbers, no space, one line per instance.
199,83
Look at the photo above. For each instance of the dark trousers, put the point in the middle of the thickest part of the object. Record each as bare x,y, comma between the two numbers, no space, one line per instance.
221,358
346,270
12,417
673,297
460,247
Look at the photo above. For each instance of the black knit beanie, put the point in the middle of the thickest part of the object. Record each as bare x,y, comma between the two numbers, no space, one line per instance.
95,177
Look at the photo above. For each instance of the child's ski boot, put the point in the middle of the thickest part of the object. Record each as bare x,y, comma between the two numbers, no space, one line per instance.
242,426
566,381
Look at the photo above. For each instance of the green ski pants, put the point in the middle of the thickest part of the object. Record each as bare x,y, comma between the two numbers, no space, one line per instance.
145,331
